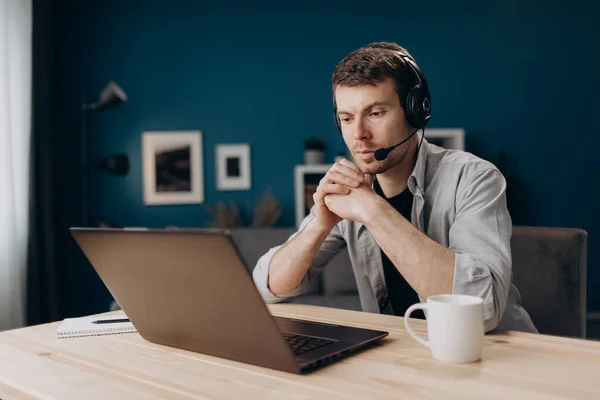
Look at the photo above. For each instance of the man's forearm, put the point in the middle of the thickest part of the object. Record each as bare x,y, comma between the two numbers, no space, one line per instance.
426,265
291,262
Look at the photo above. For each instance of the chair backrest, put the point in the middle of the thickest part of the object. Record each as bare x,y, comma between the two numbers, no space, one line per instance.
549,270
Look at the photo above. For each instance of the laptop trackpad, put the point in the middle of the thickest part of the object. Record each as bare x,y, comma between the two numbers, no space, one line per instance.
304,327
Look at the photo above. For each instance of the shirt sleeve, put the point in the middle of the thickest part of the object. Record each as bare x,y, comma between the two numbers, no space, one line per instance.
480,238
333,243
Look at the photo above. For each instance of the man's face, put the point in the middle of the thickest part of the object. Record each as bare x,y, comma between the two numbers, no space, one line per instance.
371,117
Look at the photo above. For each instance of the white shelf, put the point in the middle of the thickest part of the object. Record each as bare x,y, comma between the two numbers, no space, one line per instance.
300,172
448,138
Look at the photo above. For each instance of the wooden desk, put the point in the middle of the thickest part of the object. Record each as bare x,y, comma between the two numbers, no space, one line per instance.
35,365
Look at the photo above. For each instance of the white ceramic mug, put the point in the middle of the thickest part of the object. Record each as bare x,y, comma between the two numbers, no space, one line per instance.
454,326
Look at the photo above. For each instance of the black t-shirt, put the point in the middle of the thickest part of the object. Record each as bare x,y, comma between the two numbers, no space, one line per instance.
400,293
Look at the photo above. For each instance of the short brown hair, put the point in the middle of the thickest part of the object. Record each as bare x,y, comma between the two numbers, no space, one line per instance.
372,64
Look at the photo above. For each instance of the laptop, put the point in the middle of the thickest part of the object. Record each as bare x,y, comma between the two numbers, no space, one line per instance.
191,289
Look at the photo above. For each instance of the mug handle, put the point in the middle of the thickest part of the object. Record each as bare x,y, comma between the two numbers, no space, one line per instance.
418,306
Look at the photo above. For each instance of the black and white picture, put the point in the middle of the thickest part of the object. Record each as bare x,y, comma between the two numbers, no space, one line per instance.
233,167
172,165
173,168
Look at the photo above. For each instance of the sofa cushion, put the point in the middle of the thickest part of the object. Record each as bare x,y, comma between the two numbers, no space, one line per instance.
338,275
549,267
253,243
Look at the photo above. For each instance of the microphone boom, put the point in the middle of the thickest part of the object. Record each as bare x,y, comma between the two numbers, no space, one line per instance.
381,154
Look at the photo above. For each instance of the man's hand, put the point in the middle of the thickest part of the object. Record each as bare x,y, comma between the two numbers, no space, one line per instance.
291,262
341,178
352,204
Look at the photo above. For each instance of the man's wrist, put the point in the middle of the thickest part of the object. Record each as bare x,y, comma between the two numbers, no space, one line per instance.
371,209
315,227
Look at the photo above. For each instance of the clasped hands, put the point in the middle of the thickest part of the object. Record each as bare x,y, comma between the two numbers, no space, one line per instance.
343,193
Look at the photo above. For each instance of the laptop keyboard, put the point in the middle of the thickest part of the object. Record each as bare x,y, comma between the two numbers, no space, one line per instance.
301,344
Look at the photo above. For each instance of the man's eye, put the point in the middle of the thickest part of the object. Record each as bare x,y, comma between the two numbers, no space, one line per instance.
345,120
377,113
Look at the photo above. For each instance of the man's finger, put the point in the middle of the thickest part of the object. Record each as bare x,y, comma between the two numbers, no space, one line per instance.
348,164
338,177
334,188
347,168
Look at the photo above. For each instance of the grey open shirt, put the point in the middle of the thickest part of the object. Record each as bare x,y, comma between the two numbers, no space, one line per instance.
459,202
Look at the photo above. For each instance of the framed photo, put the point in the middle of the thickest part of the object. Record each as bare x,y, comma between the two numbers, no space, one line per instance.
233,167
172,167
306,181
448,138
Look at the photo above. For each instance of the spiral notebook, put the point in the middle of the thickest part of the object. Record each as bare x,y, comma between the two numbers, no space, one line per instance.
92,326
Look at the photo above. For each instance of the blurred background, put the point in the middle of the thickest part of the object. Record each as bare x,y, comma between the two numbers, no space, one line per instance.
520,77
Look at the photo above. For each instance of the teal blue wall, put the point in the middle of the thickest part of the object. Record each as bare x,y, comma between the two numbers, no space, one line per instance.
520,76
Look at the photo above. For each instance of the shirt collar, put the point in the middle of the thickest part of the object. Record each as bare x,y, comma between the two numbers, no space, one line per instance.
416,180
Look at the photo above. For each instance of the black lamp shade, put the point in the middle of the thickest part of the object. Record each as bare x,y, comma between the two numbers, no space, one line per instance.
111,96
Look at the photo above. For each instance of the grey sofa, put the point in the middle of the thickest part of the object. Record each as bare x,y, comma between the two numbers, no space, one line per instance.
549,269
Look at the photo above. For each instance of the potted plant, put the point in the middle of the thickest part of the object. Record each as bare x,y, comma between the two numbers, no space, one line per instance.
314,150
340,155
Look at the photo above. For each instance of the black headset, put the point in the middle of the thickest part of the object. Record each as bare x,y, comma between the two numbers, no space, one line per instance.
417,104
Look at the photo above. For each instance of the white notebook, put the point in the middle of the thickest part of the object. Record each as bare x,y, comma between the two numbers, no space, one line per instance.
89,326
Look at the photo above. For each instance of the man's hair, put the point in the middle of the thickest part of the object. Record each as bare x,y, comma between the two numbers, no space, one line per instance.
372,64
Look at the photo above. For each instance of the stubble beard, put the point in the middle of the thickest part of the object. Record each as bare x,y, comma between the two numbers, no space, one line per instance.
394,158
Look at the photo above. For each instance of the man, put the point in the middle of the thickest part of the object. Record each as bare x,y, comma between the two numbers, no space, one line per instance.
418,220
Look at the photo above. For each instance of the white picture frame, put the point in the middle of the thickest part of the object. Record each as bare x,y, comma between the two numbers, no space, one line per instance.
177,157
448,138
306,180
233,167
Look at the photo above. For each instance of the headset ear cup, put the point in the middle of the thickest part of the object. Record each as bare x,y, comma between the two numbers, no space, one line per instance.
418,108
423,108
426,107
409,108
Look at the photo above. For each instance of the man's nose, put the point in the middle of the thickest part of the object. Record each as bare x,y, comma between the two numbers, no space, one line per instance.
361,130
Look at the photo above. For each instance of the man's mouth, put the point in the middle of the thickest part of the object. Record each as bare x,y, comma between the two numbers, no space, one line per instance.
365,154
